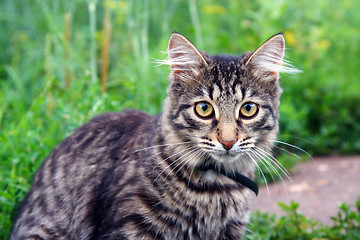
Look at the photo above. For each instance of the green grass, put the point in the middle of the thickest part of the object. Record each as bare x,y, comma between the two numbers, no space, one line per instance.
295,225
319,110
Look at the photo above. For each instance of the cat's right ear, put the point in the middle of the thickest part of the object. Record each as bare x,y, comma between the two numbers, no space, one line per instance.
268,60
184,59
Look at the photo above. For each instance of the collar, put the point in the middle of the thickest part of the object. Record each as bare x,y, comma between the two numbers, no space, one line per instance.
236,176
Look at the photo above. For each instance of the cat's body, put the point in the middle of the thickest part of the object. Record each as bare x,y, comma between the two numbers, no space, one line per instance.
116,193
135,176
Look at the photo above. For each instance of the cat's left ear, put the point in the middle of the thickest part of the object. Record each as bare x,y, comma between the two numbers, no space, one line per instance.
268,59
185,60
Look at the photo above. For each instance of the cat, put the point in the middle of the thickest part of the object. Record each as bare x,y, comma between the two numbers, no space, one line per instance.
186,173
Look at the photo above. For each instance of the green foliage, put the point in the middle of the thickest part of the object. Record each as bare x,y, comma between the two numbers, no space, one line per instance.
26,141
295,226
319,110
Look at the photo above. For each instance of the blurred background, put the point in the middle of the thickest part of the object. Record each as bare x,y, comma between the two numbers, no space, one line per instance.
63,62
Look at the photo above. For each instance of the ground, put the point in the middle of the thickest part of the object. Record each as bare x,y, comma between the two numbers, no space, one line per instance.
319,185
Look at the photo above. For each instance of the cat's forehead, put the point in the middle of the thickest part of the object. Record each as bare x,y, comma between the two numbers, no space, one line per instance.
226,77
227,69
229,63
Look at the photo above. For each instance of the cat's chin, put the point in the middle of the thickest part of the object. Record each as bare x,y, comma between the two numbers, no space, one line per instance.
226,157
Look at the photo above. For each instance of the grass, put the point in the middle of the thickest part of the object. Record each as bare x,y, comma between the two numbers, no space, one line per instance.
295,225
54,54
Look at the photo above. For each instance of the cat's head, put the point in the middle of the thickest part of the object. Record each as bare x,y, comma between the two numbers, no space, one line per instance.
226,107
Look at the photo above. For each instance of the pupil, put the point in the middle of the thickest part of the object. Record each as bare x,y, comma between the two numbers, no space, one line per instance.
204,107
248,107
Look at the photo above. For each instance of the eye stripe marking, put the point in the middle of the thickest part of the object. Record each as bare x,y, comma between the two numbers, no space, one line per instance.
180,109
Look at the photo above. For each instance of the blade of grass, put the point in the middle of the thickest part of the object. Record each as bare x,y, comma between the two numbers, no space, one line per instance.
196,22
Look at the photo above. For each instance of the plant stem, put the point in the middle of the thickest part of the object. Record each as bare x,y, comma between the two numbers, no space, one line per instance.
105,49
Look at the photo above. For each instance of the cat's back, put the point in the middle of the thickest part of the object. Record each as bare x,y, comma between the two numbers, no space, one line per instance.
102,139
121,124
66,188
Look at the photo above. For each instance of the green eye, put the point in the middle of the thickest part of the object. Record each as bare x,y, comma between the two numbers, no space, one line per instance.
248,110
204,110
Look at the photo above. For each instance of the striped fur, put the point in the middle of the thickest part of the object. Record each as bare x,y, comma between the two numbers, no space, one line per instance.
135,176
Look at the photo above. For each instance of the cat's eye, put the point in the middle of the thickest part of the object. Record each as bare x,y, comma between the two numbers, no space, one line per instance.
248,110
204,110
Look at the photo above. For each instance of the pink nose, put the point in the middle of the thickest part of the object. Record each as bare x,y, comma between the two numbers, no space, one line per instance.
227,144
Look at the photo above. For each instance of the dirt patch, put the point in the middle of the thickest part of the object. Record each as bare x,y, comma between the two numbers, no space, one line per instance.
319,186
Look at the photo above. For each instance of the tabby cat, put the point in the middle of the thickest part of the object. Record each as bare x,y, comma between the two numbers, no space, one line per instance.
183,174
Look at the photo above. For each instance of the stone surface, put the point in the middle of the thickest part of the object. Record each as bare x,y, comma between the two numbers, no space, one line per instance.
319,185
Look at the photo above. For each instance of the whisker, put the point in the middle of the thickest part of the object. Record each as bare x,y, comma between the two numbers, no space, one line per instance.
266,157
276,162
264,163
174,162
293,146
178,161
248,233
162,145
290,153
164,160
187,157
199,156
195,155
202,154
259,169
263,158
294,137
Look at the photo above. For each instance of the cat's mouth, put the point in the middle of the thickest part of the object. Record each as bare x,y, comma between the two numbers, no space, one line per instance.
236,176
226,156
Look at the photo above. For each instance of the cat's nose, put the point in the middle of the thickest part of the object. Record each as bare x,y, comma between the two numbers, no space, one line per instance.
227,144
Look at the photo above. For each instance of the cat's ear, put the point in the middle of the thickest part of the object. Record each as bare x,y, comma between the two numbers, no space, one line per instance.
268,59
184,59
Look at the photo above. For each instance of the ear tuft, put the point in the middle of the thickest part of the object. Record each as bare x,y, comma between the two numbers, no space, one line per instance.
184,59
268,59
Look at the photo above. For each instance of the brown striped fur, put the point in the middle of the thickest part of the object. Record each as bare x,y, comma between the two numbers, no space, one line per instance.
135,176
